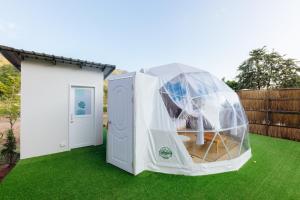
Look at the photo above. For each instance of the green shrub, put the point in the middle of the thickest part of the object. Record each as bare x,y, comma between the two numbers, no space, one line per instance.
9,148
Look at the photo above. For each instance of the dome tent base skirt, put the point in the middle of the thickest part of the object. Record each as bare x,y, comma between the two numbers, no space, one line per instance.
204,168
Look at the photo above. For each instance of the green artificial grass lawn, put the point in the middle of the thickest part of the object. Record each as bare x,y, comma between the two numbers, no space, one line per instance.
272,173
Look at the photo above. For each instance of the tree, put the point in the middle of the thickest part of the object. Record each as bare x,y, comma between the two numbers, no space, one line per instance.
289,76
12,112
9,150
10,108
232,84
10,81
265,69
9,89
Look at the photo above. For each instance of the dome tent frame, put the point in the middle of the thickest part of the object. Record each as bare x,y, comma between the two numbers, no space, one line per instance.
155,140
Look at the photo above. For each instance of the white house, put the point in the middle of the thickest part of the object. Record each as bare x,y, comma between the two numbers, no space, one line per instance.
61,101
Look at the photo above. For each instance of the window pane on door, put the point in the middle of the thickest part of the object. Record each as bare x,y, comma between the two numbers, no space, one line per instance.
82,101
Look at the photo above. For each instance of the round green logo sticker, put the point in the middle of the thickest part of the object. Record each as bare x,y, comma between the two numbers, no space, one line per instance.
165,152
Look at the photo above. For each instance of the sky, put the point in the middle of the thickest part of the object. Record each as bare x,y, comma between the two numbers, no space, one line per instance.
215,36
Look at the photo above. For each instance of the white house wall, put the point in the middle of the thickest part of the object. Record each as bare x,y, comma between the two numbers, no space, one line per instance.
45,105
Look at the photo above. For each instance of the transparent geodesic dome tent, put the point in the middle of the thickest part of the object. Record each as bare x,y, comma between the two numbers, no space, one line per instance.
175,119
207,114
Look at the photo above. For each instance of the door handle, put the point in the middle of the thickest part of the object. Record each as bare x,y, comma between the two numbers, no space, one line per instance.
71,118
108,123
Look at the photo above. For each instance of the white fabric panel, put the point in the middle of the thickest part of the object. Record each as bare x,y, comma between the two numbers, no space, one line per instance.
160,118
160,139
154,128
145,88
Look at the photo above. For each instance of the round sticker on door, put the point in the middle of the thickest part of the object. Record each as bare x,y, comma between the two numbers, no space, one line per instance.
165,152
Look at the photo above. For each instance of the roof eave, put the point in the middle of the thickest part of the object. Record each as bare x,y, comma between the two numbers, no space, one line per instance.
15,57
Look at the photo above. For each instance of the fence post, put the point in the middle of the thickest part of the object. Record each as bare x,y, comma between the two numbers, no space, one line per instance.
268,120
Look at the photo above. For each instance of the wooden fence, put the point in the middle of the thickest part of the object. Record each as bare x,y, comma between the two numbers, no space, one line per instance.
274,113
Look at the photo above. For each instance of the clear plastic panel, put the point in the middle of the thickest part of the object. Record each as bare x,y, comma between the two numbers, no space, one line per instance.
245,145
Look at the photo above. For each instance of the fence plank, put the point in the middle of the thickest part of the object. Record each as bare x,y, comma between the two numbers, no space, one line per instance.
274,113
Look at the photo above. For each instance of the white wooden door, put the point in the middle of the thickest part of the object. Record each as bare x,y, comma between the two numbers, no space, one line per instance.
120,127
82,117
